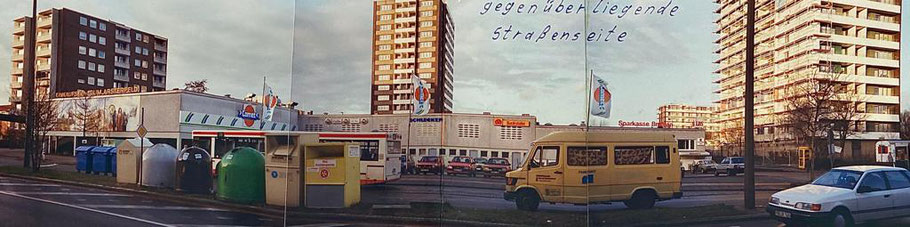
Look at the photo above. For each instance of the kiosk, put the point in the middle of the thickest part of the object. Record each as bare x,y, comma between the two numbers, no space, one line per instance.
332,175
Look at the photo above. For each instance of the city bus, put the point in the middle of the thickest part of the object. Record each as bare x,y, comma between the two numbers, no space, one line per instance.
893,152
379,151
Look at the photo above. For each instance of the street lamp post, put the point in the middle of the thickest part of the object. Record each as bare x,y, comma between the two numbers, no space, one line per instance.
749,129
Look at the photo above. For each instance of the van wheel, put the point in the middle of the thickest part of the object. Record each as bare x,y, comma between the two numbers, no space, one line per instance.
641,200
841,218
527,200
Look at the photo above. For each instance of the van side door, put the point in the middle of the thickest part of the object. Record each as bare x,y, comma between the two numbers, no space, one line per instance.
546,173
586,174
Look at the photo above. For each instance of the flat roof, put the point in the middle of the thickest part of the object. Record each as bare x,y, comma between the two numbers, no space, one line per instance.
596,137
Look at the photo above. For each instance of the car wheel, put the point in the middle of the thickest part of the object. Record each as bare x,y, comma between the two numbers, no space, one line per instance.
641,200
716,173
731,172
841,218
527,200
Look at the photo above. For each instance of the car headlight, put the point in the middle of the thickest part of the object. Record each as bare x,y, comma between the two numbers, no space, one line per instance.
808,206
775,200
450,167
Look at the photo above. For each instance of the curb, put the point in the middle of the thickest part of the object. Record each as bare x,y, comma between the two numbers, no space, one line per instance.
747,217
258,210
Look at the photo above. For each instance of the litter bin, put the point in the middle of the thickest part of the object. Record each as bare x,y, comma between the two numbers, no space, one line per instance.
84,159
332,178
194,171
101,159
240,176
159,166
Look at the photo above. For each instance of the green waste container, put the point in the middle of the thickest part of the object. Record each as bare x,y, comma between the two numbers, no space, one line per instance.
240,177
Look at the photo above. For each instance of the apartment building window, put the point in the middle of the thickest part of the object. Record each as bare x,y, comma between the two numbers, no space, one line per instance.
425,65
383,98
145,51
81,64
91,80
385,27
82,50
138,37
425,76
385,7
137,62
102,26
93,24
83,36
385,57
138,50
102,40
81,81
383,87
426,24
426,44
137,75
83,21
384,77
92,38
426,55
100,68
385,37
426,34
385,47
382,108
385,67
385,17
426,13
92,52
100,82
101,54
426,3
145,76
91,66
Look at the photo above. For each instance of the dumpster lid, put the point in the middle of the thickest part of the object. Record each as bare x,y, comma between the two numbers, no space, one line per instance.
84,148
285,150
104,150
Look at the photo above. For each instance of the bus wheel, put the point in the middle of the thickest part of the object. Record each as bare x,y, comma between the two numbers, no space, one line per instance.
643,199
527,200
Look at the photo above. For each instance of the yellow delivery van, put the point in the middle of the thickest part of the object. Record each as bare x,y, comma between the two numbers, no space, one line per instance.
636,168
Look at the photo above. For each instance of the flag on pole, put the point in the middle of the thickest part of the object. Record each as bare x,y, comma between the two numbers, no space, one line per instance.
421,97
269,102
602,98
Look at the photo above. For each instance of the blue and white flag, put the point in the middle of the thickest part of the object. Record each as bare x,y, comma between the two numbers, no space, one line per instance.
602,101
421,97
269,102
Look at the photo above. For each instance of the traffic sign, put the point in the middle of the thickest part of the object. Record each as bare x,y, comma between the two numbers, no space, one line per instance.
142,131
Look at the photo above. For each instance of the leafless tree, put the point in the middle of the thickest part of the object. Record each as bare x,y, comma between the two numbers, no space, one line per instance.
46,120
905,125
196,86
87,116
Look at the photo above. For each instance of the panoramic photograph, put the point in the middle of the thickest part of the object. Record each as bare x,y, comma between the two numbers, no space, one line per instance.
453,113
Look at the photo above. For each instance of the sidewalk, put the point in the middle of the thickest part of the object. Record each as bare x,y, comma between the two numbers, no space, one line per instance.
13,157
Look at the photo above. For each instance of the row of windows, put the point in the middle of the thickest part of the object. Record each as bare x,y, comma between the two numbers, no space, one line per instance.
459,152
597,156
93,38
92,24
91,52
90,66
92,81
142,51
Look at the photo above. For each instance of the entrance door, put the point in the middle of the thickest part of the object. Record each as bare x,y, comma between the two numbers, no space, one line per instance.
547,172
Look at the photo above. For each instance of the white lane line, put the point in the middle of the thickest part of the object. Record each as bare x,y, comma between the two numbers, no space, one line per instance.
84,208
72,193
322,225
105,206
26,184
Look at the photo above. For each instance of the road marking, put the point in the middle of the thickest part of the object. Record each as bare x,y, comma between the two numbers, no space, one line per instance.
26,184
84,208
105,206
322,225
223,218
72,193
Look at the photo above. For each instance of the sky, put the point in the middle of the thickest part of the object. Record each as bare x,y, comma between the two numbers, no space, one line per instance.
317,53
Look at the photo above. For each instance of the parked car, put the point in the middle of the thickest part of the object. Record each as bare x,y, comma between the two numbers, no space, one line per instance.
704,166
730,166
461,165
407,165
430,164
478,164
496,167
845,196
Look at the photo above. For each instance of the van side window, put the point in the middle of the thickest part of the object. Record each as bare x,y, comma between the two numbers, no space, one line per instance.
662,155
546,156
633,155
586,156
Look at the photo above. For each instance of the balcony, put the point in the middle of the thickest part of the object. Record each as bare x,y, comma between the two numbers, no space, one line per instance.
160,72
16,70
123,37
161,46
122,77
17,56
43,83
122,64
44,37
15,84
160,59
15,99
43,52
158,83
122,51
17,42
43,66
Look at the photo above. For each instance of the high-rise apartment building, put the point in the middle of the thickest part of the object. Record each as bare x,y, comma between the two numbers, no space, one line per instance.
854,45
76,51
411,37
685,116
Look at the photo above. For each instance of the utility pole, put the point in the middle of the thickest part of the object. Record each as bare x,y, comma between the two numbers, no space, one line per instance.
28,86
749,129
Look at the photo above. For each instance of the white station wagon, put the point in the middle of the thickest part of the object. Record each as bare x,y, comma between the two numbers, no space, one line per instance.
845,196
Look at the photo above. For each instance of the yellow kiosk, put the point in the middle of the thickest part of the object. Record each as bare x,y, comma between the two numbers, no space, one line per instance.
805,156
282,170
332,178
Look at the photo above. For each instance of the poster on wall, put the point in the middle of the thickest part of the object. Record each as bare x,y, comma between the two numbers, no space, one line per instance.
110,114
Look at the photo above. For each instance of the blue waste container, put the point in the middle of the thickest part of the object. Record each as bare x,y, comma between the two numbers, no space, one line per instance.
84,159
101,160
113,160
